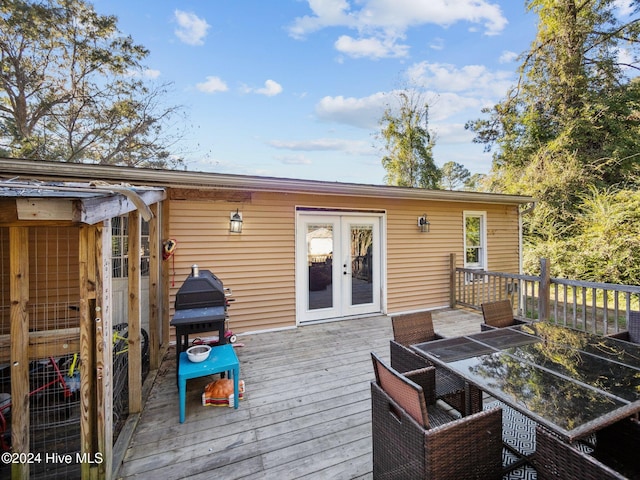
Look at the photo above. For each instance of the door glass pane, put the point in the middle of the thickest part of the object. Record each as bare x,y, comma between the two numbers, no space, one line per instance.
361,264
320,261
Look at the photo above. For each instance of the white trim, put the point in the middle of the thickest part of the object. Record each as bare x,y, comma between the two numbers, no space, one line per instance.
301,286
483,237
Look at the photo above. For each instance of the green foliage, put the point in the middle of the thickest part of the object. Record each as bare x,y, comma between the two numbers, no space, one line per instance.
605,243
568,134
409,161
71,88
454,176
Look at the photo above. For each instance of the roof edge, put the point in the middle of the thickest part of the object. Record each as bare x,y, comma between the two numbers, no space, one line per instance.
185,179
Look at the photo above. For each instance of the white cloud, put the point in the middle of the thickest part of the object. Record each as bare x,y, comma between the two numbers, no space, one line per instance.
360,112
212,85
508,57
150,73
147,73
293,159
370,47
191,29
270,89
473,79
382,23
437,44
625,7
355,147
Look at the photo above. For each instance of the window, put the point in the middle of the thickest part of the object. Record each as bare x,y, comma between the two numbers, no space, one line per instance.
120,247
475,251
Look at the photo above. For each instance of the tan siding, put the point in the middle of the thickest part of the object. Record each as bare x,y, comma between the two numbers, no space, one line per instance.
259,263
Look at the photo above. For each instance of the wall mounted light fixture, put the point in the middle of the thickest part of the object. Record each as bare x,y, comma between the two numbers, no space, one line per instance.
423,223
235,222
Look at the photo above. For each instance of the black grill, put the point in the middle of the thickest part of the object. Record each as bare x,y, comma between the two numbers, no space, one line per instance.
201,289
201,306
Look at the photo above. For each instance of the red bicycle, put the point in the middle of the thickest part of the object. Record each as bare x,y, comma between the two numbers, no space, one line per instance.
50,373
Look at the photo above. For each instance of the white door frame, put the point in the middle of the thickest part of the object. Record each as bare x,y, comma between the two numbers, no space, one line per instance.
341,290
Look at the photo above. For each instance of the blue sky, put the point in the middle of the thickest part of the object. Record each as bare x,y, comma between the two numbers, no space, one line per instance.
296,88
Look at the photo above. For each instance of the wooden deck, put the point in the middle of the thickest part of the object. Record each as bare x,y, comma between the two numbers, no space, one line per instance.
306,413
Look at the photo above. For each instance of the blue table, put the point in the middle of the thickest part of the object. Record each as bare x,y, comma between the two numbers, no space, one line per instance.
221,359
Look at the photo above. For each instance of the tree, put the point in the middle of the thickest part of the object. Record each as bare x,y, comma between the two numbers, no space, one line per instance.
71,88
572,122
409,145
454,176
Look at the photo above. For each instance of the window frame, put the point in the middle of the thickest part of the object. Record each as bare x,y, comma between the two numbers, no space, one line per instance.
120,247
482,254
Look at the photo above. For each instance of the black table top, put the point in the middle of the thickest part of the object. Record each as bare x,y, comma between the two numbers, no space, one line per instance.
571,381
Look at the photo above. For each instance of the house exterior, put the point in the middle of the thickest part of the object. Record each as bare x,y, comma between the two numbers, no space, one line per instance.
313,251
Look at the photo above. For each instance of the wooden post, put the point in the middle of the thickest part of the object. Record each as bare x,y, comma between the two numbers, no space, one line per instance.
104,349
164,234
135,351
545,291
19,330
452,280
155,252
87,266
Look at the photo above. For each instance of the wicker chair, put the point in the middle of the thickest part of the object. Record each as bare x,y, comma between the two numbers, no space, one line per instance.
632,334
412,328
618,446
555,459
498,314
412,439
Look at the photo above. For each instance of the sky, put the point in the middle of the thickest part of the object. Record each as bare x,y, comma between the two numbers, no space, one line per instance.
297,88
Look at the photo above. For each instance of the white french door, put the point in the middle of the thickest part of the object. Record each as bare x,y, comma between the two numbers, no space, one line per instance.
338,265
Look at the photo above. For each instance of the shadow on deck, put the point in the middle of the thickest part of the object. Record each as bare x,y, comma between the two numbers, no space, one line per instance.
307,411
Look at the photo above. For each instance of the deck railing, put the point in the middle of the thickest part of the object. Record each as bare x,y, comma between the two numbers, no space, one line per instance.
601,308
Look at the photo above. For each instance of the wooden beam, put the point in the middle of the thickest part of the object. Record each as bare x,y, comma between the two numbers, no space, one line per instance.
19,331
45,343
135,350
97,209
41,208
103,351
8,211
88,409
155,252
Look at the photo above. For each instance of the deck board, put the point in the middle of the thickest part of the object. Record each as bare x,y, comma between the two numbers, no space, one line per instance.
307,411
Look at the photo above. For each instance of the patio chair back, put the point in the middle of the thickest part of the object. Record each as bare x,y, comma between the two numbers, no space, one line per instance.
498,314
634,327
411,328
404,447
406,393
557,459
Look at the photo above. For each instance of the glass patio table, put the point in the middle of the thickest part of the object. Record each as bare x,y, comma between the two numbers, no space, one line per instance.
572,382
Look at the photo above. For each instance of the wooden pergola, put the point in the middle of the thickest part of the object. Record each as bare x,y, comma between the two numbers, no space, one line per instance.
88,208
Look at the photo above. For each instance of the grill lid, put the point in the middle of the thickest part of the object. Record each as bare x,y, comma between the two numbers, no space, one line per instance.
201,289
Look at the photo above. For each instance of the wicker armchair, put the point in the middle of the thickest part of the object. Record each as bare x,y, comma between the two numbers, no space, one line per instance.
618,447
412,439
558,460
632,334
498,314
412,328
